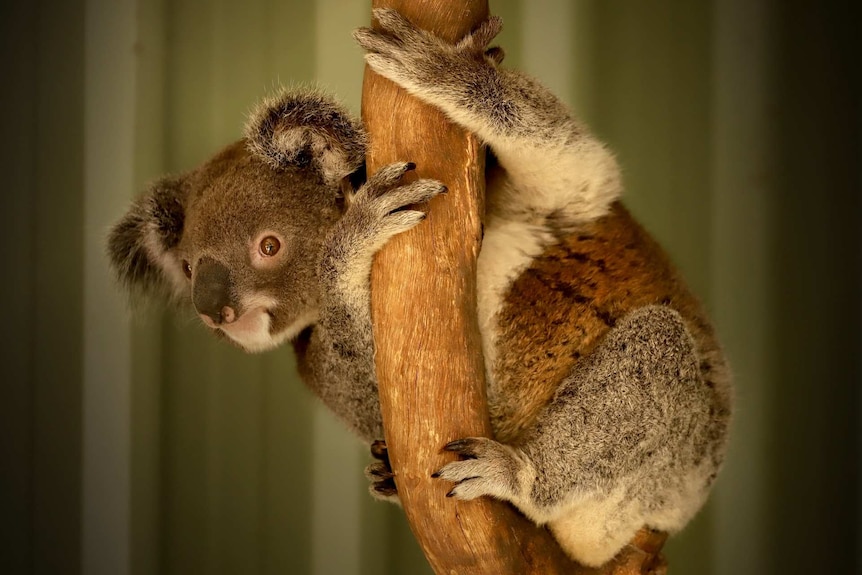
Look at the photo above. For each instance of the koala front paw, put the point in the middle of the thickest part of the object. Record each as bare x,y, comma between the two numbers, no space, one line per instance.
376,213
381,201
420,61
488,468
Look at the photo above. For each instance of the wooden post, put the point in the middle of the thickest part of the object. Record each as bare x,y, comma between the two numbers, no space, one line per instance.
429,356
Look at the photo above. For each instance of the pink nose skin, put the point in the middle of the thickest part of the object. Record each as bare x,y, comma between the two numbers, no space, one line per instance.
227,315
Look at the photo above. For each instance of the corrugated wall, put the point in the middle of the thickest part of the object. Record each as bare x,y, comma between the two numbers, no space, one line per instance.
142,445
42,288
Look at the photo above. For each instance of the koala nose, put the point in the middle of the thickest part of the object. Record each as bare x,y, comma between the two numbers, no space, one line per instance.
211,292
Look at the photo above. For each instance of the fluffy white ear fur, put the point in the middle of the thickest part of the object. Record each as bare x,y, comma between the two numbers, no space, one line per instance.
307,128
140,246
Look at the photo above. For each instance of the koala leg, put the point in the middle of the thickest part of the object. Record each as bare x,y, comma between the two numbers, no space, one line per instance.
629,440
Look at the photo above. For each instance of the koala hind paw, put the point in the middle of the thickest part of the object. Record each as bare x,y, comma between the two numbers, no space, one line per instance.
380,474
487,468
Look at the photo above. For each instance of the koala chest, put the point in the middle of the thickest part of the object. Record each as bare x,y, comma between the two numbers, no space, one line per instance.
545,303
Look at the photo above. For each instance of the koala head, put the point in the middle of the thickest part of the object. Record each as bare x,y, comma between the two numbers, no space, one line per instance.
239,237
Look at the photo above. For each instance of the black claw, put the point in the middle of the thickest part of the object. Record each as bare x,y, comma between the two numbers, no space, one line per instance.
435,475
444,190
465,448
451,493
496,54
383,474
385,486
385,489
457,445
379,450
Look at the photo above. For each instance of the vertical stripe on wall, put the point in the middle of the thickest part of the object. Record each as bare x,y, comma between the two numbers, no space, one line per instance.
814,120
18,41
109,175
743,193
546,49
57,283
584,60
42,287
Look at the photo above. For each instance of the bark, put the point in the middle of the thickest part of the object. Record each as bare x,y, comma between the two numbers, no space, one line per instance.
429,356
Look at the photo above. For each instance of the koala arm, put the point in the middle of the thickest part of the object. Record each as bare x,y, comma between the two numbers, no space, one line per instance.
554,166
336,361
337,356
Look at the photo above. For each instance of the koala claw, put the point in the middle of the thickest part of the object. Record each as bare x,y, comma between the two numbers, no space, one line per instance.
382,482
486,468
478,39
386,178
495,54
379,471
381,475
380,451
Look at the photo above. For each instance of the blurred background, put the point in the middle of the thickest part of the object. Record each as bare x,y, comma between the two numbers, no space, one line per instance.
135,446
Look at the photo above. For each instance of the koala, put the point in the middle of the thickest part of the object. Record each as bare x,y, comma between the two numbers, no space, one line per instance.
609,394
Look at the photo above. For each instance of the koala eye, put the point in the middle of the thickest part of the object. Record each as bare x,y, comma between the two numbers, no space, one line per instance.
269,246
187,269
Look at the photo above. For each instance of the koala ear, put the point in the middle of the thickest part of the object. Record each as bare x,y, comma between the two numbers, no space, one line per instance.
307,128
141,245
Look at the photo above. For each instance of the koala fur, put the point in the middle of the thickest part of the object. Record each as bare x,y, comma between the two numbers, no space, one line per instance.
608,391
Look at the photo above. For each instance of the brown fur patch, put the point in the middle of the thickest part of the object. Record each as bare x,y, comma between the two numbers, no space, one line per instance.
566,301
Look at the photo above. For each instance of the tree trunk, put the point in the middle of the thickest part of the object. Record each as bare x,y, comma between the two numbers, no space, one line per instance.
429,356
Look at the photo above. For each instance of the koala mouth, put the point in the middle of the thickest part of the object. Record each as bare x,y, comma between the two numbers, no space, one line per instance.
257,330
251,330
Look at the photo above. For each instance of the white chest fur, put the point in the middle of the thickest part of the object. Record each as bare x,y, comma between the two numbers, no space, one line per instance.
508,248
